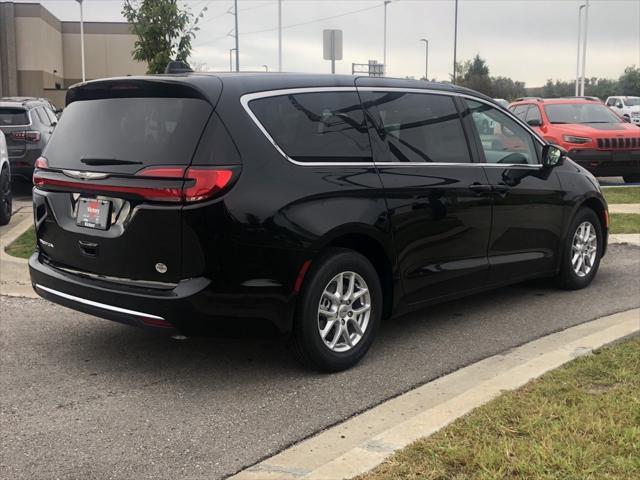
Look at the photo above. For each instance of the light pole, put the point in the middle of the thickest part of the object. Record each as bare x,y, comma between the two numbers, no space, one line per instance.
231,59
266,68
279,35
235,13
584,46
577,92
384,48
426,58
84,78
455,43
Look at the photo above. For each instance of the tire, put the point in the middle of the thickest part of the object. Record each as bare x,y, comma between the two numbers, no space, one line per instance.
307,341
631,178
5,196
574,276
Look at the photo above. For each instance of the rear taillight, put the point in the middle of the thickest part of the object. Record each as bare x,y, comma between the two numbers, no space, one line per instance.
208,182
26,136
189,185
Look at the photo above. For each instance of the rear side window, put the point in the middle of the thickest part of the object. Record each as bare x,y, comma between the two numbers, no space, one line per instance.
13,116
417,127
316,127
147,131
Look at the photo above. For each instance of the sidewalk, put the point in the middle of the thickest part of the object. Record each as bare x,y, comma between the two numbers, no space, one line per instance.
14,273
625,208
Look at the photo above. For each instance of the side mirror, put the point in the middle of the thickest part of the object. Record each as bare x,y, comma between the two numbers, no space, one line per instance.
534,122
553,155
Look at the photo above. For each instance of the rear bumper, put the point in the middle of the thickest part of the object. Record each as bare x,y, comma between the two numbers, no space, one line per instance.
604,163
191,307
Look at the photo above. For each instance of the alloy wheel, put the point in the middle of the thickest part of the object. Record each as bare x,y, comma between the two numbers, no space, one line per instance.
584,249
344,311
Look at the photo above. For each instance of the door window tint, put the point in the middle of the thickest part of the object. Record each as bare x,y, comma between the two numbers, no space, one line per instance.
533,114
417,127
316,127
42,115
502,139
520,111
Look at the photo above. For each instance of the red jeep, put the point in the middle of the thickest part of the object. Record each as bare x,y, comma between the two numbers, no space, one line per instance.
595,137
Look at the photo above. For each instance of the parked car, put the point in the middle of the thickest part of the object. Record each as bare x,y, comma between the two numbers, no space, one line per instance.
27,125
5,183
313,204
502,102
594,136
627,107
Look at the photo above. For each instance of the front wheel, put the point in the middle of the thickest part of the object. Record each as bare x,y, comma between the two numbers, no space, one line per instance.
582,252
5,197
339,311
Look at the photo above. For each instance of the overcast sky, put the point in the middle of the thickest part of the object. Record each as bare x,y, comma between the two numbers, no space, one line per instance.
527,40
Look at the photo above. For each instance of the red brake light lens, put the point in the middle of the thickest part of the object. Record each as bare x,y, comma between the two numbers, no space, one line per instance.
29,136
40,164
208,182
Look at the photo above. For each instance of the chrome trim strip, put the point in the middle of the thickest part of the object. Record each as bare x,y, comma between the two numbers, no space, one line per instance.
82,175
97,304
248,97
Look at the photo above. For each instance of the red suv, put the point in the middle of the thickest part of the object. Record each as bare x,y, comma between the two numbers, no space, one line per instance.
595,137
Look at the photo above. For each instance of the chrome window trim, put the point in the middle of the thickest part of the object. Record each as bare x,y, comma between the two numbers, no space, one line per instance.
96,304
248,97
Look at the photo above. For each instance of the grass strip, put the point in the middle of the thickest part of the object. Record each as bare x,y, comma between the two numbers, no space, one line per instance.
24,245
621,194
581,421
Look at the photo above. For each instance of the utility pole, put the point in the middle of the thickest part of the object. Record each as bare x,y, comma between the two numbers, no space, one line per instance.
584,46
577,92
235,13
231,59
384,53
455,43
279,35
426,58
84,78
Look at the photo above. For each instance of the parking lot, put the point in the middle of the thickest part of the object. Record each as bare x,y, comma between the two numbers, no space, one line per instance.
86,398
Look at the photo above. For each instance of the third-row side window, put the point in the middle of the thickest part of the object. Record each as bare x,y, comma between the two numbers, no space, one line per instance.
316,127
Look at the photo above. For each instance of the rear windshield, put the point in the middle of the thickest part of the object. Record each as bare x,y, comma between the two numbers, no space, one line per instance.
580,113
143,131
13,116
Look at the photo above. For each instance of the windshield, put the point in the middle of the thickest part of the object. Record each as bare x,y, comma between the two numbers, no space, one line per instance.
580,113
631,102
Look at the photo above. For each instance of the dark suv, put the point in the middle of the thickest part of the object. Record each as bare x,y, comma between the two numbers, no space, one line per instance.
316,205
27,124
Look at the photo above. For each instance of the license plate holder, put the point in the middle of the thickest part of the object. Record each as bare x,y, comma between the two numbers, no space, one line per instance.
93,213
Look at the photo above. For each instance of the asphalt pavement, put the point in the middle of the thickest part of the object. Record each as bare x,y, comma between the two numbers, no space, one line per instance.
84,398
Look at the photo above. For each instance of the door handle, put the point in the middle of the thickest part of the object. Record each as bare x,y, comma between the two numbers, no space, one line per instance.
480,189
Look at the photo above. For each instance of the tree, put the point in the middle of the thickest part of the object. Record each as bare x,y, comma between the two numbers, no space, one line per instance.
474,74
164,30
629,82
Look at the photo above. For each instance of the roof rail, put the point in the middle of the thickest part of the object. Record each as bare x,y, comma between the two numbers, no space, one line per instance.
521,99
593,99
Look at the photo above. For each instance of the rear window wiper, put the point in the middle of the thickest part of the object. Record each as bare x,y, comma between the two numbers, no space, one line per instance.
94,161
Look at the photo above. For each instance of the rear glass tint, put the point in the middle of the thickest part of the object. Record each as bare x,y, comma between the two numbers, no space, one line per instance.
147,131
13,116
316,127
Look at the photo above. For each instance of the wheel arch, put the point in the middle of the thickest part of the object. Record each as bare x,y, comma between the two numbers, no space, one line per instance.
371,244
600,208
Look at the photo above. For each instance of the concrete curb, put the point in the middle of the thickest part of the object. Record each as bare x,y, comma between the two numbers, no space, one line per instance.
363,442
14,272
625,239
625,208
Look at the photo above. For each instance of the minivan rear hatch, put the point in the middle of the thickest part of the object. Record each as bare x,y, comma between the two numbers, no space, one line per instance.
112,180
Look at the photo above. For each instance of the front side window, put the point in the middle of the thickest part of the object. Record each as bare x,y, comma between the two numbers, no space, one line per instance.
520,111
316,127
632,102
580,113
417,127
503,139
533,116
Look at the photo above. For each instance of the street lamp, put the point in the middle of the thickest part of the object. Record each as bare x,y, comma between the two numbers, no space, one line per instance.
231,59
584,46
266,68
384,53
82,39
455,43
426,58
577,91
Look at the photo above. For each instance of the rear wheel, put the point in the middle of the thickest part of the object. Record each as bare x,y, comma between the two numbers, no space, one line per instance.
631,178
339,311
5,197
582,252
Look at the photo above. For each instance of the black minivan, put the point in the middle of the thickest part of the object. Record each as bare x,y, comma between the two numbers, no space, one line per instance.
310,205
